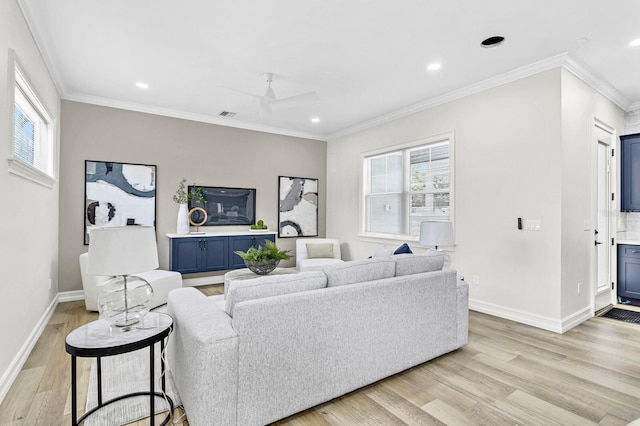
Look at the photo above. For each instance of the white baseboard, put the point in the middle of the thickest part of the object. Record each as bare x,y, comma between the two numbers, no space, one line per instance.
535,320
523,317
195,282
70,296
18,361
576,318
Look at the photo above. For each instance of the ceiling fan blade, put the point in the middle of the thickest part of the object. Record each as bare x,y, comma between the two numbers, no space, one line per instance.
240,91
265,108
303,97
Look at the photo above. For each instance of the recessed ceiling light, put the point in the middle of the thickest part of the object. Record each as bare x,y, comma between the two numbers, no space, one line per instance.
315,120
142,85
434,66
635,43
493,41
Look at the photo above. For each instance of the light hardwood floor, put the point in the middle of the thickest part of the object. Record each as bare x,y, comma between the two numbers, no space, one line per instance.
508,374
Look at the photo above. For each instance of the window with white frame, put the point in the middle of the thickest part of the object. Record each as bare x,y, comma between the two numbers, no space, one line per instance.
32,154
406,186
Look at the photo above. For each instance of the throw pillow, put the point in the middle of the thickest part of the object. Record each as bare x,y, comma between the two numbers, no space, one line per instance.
403,249
359,271
319,250
418,263
384,251
272,285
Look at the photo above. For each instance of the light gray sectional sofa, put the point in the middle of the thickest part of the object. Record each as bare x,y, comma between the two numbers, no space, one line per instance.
277,345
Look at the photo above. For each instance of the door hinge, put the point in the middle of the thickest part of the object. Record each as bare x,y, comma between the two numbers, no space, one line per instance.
611,286
612,196
613,242
613,151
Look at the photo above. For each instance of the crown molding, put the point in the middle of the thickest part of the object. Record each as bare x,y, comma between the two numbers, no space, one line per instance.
560,60
43,47
113,103
581,71
634,107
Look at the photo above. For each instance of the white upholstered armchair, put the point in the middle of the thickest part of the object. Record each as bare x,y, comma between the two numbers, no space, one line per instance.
312,254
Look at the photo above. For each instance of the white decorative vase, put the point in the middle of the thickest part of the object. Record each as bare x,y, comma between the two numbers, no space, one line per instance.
183,220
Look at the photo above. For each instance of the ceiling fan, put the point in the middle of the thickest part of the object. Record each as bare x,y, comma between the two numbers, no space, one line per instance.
269,97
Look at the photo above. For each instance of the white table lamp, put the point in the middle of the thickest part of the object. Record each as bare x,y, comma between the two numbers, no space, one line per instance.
437,234
122,251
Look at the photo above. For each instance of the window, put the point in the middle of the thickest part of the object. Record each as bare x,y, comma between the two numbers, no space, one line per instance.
32,153
407,186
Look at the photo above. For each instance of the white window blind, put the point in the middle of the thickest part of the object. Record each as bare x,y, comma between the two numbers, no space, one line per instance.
32,133
406,187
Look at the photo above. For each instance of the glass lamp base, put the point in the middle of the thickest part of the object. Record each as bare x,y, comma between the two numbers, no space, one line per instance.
124,301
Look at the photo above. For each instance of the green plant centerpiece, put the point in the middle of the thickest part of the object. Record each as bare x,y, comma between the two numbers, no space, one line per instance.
263,259
259,225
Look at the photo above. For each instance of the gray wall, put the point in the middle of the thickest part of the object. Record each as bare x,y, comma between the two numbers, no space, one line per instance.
521,150
206,154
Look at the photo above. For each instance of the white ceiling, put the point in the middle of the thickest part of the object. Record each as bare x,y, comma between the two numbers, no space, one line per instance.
366,59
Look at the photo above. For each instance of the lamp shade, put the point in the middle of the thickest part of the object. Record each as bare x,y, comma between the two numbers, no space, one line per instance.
122,250
433,233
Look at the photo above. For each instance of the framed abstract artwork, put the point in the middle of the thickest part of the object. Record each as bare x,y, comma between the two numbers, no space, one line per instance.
118,194
298,207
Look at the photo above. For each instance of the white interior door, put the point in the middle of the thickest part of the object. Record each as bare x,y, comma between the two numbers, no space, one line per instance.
604,293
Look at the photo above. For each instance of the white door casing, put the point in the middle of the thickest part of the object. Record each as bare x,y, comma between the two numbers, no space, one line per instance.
603,293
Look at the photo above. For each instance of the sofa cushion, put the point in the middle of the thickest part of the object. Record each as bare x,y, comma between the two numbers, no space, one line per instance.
384,251
359,271
408,264
272,285
403,249
319,250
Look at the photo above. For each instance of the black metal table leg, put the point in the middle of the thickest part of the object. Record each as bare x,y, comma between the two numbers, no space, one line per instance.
99,362
152,373
74,398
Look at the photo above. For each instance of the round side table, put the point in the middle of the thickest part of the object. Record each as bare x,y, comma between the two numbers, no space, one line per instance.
97,340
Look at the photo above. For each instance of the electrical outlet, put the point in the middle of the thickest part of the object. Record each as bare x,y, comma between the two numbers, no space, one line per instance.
579,287
476,279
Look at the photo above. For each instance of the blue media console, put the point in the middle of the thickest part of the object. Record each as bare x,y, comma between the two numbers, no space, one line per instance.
190,254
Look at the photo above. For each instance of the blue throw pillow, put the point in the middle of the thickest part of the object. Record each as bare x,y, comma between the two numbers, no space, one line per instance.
403,249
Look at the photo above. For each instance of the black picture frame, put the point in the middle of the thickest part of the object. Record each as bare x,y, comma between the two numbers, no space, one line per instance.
118,194
297,207
225,206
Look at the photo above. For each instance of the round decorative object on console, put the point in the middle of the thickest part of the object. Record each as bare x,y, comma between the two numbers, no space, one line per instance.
198,212
261,268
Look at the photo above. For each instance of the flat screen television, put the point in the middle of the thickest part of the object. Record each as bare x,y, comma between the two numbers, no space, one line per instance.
225,206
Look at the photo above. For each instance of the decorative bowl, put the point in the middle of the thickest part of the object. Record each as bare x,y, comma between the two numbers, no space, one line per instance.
262,268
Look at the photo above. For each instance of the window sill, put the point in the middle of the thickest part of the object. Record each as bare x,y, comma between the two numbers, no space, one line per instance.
385,238
399,239
25,171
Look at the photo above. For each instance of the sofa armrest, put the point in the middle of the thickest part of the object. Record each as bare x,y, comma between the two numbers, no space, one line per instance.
462,295
203,357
